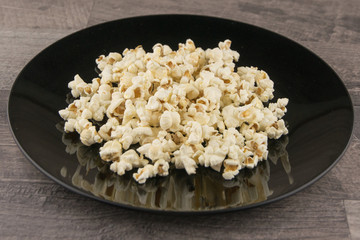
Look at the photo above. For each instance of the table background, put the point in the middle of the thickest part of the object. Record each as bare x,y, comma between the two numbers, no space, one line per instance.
34,207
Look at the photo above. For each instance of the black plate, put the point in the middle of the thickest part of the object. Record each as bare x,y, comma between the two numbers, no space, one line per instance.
320,116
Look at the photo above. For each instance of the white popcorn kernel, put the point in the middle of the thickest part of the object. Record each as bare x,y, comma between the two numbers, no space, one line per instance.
170,120
214,55
213,94
90,136
129,112
175,121
70,125
127,161
190,45
231,169
106,75
114,57
170,146
166,120
277,129
144,173
74,86
111,151
163,94
134,158
79,104
166,50
230,116
182,159
153,104
191,91
233,137
225,45
106,129
162,167
95,106
126,141
154,119
235,152
82,124
214,154
166,81
279,108
194,131
258,145
86,114
120,167
143,114
268,119
247,131
207,132
251,162
101,62
104,92
116,108
250,114
142,131
154,151
66,114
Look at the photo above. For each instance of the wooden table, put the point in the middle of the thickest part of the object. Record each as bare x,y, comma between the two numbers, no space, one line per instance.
34,207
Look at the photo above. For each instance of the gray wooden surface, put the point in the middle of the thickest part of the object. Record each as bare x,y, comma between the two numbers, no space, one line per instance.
34,207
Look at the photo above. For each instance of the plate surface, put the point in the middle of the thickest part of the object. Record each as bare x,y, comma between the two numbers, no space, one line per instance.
320,116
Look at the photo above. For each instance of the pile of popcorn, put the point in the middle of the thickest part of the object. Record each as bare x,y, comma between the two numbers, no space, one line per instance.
187,108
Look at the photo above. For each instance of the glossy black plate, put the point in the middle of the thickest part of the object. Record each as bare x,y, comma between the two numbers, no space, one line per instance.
320,116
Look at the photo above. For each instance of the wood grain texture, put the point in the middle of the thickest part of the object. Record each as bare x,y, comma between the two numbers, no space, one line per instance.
4,95
71,14
357,121
353,215
324,20
6,136
300,217
34,207
18,168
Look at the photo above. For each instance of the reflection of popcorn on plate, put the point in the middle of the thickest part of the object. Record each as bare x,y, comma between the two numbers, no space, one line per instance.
184,108
178,190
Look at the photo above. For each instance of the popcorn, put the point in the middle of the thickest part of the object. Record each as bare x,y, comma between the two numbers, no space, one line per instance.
79,87
160,168
107,128
81,124
279,108
231,168
170,120
70,125
215,153
153,104
127,162
277,129
154,151
129,112
111,151
194,131
186,107
90,136
183,159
